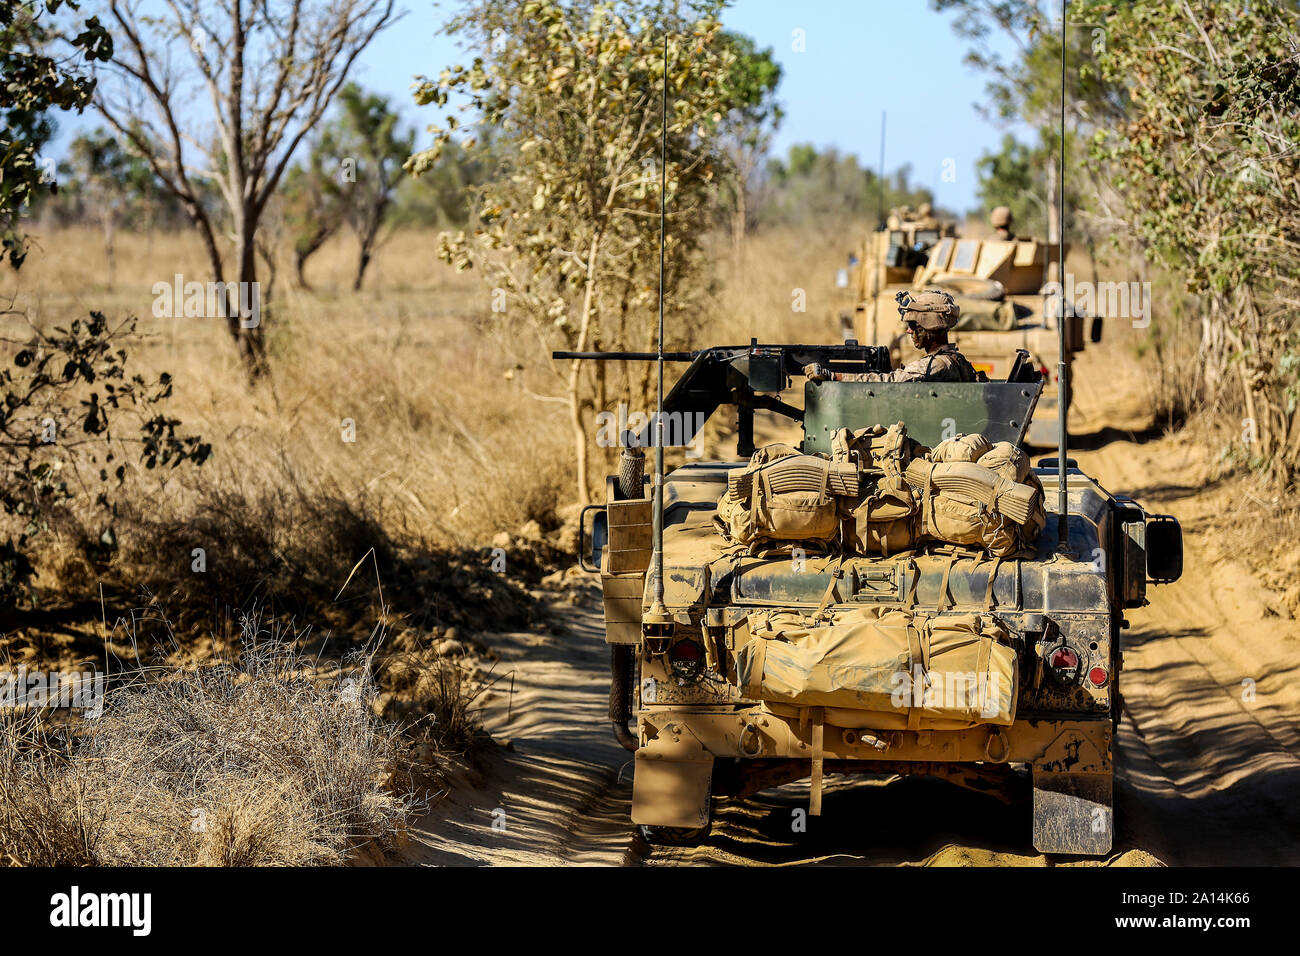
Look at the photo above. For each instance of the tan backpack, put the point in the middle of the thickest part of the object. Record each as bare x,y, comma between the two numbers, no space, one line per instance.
968,504
782,495
961,448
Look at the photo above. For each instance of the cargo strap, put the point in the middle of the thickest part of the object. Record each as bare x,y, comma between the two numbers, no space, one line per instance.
945,599
911,567
832,595
993,577
982,669
918,652
815,780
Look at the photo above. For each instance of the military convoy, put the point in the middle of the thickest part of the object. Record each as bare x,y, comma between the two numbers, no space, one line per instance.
998,283
887,595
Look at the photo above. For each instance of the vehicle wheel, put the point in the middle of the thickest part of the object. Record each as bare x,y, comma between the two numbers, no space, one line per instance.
674,836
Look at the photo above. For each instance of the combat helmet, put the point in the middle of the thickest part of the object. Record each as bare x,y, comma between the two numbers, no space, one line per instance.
933,310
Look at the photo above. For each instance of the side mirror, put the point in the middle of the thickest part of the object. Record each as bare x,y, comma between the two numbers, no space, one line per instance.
1164,545
591,548
1094,333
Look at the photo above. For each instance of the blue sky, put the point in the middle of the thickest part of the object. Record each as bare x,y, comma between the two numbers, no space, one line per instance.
859,57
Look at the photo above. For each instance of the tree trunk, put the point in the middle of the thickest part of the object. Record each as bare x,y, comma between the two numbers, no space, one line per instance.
108,248
299,264
1053,213
363,260
738,216
248,337
575,377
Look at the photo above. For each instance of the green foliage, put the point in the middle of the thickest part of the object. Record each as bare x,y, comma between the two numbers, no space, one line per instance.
568,233
1009,178
35,83
371,149
752,82
103,180
1206,165
62,396
443,195
811,187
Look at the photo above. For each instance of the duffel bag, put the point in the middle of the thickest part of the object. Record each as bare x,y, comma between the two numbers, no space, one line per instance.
910,671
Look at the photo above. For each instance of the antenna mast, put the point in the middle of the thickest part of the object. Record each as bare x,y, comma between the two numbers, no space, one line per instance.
657,621
880,202
1063,369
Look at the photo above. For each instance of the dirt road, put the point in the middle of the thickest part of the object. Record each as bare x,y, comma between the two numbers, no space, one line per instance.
1208,754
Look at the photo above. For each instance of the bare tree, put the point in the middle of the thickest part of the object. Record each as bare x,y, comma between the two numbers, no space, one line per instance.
225,91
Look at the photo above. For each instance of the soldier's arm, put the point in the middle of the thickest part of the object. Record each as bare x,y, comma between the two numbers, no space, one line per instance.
914,372
911,372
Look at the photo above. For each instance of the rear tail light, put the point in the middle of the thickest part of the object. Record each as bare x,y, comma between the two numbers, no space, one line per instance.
1063,663
686,658
1098,676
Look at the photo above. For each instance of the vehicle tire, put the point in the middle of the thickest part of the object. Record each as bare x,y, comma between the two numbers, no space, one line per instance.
674,836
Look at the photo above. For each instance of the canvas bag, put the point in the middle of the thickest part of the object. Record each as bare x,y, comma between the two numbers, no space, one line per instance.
885,522
910,671
965,503
961,448
885,449
783,495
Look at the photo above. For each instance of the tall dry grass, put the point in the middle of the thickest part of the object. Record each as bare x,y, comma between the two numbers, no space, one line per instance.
254,762
398,420
407,417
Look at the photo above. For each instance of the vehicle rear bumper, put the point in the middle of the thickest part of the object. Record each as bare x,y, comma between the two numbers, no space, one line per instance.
1049,745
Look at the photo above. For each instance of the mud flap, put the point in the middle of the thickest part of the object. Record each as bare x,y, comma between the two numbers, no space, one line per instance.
671,793
1073,813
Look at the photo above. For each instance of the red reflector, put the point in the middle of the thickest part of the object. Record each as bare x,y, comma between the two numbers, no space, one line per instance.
1098,676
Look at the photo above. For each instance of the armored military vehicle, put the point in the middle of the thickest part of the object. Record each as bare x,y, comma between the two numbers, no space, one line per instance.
998,285
764,665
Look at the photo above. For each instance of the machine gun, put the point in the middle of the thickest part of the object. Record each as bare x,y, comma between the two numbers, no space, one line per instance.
753,377
746,376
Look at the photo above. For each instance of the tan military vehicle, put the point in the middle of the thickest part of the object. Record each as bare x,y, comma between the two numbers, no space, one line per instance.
870,600
998,284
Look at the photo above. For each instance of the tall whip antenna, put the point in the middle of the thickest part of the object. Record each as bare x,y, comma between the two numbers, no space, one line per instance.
658,621
1063,368
880,201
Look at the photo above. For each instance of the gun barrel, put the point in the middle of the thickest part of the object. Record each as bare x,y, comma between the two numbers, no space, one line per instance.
626,356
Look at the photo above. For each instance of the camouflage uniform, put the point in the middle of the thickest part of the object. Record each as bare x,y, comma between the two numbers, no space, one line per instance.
943,365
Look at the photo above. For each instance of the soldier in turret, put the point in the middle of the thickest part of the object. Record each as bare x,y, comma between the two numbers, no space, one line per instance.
928,318
1002,222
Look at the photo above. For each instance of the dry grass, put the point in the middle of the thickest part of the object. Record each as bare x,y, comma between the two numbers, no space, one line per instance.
450,450
254,763
455,442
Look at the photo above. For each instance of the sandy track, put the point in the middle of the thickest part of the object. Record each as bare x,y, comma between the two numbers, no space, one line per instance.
1209,749
1207,766
562,792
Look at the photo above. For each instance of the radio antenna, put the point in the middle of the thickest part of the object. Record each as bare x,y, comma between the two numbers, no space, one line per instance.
880,200
1063,366
658,622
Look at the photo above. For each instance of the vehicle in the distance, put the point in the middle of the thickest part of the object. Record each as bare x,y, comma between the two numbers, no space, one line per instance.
999,285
